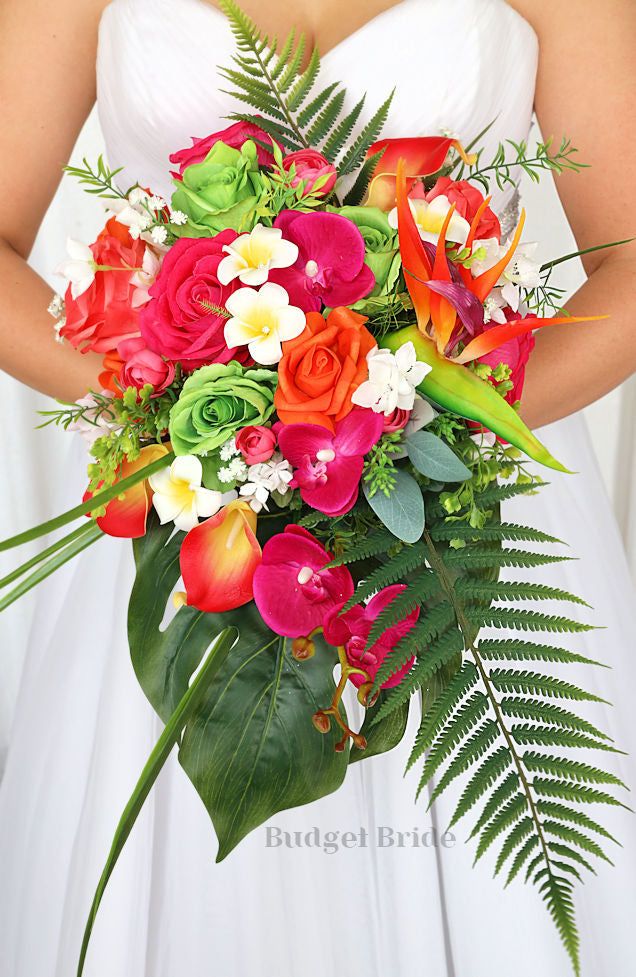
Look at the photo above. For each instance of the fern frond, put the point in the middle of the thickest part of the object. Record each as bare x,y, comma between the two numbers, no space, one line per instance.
305,82
483,557
492,532
518,834
325,120
470,753
441,709
356,194
571,769
376,544
397,567
463,722
554,809
513,649
342,132
355,155
508,590
511,680
579,793
511,812
548,712
514,619
521,857
558,899
526,735
572,836
316,105
481,781
508,786
417,591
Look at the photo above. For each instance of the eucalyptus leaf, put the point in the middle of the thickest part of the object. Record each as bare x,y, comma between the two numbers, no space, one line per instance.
432,457
402,511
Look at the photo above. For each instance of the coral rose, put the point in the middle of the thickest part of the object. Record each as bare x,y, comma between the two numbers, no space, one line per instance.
256,443
320,370
176,323
467,199
103,315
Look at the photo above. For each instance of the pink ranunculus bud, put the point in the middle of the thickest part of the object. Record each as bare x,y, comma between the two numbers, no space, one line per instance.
309,165
141,366
256,443
396,420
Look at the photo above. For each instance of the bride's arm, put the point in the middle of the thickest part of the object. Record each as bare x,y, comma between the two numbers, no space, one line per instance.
47,88
587,89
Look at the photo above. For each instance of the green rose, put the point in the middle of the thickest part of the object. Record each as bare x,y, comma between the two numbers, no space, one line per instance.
380,241
222,191
215,402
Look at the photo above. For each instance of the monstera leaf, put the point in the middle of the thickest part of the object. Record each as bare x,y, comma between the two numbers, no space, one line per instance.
250,748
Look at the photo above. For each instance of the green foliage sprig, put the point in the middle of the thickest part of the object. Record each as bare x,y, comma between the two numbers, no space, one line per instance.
504,165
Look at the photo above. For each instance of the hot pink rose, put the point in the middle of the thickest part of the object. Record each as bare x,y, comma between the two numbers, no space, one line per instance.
256,443
176,323
309,165
234,136
467,199
515,354
103,315
141,366
397,420
352,629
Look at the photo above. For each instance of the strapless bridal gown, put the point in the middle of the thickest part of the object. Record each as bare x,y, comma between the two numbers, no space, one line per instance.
84,729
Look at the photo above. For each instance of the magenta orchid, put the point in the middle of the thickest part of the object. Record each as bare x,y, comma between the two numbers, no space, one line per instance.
351,631
328,467
330,268
293,588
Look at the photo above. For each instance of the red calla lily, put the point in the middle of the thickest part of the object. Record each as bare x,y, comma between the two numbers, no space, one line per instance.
126,516
422,156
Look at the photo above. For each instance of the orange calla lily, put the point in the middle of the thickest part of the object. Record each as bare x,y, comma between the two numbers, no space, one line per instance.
219,558
422,156
126,516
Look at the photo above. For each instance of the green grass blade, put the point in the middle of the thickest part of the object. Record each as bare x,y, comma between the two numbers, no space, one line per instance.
150,772
44,555
98,499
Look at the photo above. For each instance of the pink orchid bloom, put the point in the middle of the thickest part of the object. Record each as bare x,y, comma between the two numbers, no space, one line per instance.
330,268
351,631
329,466
292,589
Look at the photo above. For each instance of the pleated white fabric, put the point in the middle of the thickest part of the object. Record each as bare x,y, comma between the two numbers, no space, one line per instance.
83,727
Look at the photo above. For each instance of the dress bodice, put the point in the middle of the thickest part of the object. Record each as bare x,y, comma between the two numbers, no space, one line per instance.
456,65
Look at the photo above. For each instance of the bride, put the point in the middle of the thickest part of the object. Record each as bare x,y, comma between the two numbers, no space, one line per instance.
363,881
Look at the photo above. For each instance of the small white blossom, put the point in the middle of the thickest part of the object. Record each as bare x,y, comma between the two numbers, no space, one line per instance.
178,218
393,378
494,306
156,203
228,450
238,468
256,494
159,234
134,231
264,478
57,327
56,306
522,271
137,196
225,475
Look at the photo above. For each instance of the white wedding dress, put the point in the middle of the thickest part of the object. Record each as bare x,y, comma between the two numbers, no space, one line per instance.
84,729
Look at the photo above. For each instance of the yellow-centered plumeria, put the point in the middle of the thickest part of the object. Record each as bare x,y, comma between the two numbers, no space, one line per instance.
262,320
251,256
179,496
429,219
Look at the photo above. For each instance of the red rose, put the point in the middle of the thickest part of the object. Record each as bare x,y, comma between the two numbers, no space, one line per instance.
103,315
467,199
175,323
308,166
256,443
234,136
396,420
142,366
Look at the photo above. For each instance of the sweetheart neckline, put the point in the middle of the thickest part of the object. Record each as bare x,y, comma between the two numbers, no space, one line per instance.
372,22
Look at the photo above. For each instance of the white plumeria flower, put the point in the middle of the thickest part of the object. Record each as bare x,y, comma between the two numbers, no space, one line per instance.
262,320
251,256
80,268
429,217
392,380
179,496
522,271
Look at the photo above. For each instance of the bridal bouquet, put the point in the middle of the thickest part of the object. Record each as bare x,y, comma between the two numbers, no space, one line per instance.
308,418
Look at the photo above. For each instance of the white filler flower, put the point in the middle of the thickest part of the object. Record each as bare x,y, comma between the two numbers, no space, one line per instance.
251,256
392,380
179,497
262,320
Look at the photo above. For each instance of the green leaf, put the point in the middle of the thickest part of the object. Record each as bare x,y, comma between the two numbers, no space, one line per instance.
382,735
251,749
402,511
432,457
183,713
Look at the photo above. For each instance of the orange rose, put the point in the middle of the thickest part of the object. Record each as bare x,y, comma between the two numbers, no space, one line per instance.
320,370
